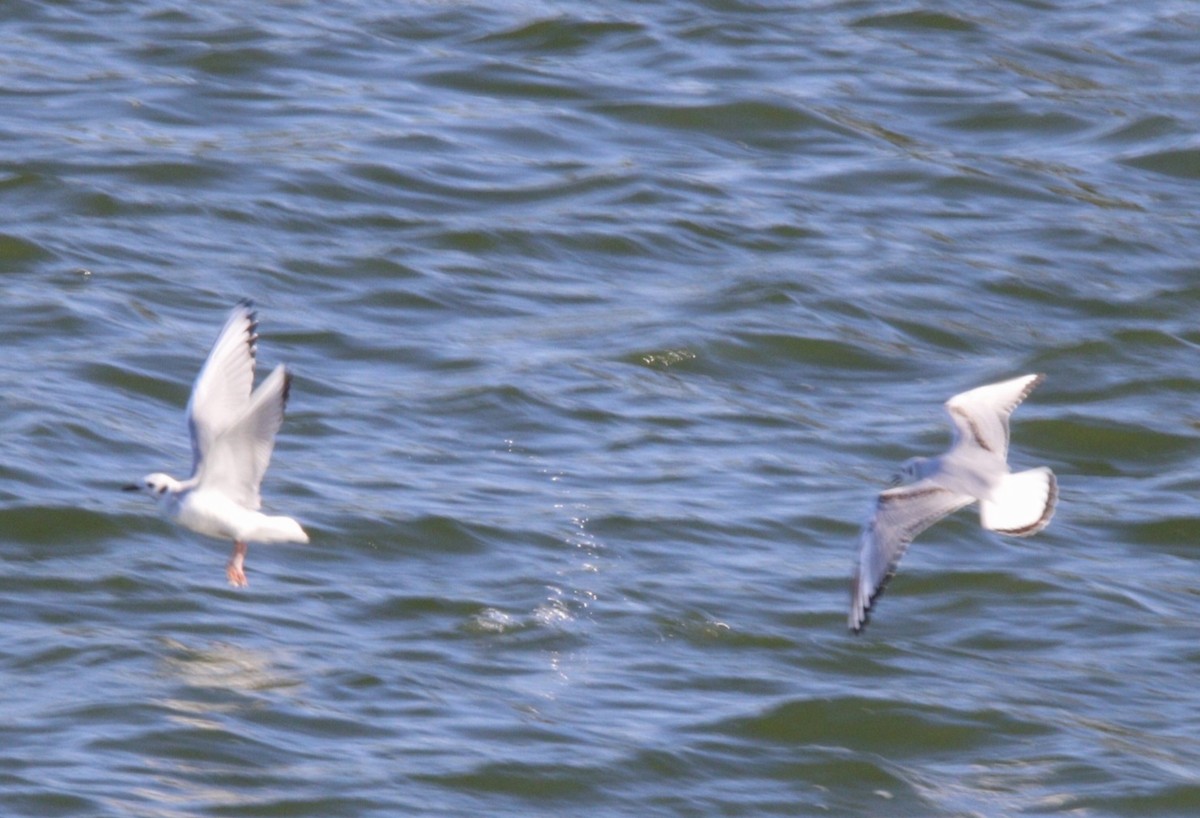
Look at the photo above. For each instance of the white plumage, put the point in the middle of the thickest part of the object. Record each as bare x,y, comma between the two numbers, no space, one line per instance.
233,428
974,468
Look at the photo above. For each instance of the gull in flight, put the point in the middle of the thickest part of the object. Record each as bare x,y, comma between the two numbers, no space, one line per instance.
233,433
974,468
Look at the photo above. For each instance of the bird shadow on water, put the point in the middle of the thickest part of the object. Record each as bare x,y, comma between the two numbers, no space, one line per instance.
225,667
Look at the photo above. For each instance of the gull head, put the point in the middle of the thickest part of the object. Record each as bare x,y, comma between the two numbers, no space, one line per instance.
158,485
914,469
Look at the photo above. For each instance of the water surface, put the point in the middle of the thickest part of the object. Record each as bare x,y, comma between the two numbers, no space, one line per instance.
608,324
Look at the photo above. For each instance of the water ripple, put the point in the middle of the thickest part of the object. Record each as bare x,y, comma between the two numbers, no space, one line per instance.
607,327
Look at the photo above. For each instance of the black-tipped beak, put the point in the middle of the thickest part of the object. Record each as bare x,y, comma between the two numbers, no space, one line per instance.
131,487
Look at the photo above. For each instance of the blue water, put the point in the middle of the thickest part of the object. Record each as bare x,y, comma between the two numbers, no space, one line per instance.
608,324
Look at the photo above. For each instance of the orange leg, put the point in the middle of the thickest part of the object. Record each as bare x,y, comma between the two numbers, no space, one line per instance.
233,570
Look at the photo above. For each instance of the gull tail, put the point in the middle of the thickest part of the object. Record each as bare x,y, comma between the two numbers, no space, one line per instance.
1022,504
274,529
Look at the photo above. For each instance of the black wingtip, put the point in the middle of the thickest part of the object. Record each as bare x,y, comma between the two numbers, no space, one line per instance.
858,627
247,304
868,605
860,609
287,386
1038,379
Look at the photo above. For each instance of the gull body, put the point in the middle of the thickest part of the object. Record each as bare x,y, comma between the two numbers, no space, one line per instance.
975,468
233,430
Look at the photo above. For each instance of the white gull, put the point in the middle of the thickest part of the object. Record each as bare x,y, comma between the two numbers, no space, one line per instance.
233,434
975,468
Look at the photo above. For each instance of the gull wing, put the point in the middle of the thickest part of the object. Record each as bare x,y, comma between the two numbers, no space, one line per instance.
237,458
900,515
980,416
222,389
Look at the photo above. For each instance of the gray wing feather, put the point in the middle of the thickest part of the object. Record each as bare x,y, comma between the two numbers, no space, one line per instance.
239,456
222,389
980,416
900,515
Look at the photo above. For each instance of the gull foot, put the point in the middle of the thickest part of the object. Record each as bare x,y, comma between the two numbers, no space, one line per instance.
237,577
233,569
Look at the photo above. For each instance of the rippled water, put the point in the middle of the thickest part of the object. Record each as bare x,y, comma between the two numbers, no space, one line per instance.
608,322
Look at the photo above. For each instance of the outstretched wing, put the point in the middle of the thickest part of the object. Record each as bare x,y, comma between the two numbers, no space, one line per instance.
900,515
221,393
980,416
238,457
